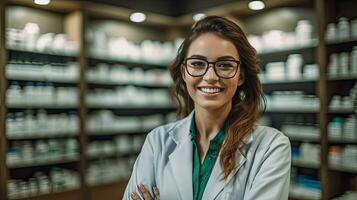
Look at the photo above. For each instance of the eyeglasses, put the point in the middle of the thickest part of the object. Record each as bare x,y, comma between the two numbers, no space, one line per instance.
197,67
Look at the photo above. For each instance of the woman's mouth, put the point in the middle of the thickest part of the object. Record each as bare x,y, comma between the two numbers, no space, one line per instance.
210,90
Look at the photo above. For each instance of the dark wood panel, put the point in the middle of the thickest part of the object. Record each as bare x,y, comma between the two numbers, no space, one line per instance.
3,82
82,19
109,191
322,93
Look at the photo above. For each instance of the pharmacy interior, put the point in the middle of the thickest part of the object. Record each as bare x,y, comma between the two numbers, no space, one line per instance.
83,82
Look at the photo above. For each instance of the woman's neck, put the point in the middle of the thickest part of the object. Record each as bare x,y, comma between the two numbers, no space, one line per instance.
209,122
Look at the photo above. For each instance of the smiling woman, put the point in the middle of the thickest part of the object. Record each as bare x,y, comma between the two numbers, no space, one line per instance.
203,83
217,151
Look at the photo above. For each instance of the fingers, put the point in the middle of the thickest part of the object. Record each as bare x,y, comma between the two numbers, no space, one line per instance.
134,196
145,193
156,192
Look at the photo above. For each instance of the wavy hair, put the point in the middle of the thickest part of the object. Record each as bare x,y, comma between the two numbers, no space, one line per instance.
248,102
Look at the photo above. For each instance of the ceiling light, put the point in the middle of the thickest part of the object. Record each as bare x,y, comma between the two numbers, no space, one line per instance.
137,17
256,5
42,2
198,16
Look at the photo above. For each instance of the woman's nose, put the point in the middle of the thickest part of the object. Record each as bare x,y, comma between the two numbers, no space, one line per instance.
210,74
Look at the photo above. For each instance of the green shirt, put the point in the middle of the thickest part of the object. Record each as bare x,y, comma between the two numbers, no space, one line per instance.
201,173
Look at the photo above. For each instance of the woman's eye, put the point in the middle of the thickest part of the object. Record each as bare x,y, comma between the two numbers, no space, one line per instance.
197,64
225,65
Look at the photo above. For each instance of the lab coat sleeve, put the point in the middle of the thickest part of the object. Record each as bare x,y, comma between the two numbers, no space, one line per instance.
273,178
143,170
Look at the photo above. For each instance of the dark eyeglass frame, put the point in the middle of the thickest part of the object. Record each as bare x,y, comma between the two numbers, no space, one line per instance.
238,62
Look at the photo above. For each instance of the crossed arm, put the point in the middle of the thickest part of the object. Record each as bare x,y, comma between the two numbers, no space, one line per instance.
145,193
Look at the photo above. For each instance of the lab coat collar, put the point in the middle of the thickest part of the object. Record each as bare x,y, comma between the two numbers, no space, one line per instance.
181,132
182,164
181,158
216,183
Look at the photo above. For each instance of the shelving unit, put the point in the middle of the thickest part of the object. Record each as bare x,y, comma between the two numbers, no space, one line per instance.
340,178
31,64
315,52
74,14
303,114
110,136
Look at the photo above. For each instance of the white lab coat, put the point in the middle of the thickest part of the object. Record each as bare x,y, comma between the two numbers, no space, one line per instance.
262,166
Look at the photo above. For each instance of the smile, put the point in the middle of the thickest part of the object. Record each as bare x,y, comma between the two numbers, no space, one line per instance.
210,90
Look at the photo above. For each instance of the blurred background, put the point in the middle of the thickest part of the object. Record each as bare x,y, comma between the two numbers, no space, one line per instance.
83,82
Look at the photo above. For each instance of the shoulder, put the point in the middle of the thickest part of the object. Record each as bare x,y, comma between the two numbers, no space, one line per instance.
267,137
165,132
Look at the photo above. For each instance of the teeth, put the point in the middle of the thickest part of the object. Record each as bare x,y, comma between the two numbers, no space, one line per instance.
210,90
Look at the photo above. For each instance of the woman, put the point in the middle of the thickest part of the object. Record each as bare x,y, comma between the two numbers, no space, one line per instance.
217,151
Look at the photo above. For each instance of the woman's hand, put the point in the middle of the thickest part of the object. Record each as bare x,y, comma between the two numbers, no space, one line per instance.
145,193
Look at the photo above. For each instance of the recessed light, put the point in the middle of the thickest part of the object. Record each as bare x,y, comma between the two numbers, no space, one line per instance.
256,5
198,16
42,2
137,17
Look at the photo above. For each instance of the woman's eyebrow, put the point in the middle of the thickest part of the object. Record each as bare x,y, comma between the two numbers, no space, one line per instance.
198,56
219,58
226,57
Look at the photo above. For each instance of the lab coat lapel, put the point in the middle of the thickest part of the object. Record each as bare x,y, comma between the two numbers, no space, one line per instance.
181,160
215,183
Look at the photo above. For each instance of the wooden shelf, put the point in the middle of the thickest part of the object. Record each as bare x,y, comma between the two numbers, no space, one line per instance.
287,81
301,197
47,107
306,85
345,169
298,197
342,110
131,107
129,63
341,46
113,155
40,53
342,141
73,194
41,79
304,164
342,78
27,136
287,51
351,41
303,138
115,84
61,160
292,110
116,132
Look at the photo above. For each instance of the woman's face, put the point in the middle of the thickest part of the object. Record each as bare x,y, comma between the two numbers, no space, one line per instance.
209,91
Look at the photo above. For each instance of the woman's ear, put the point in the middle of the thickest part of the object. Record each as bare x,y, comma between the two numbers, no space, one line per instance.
241,78
240,81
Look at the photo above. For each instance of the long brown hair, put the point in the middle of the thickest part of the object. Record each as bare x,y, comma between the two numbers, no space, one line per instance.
248,101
